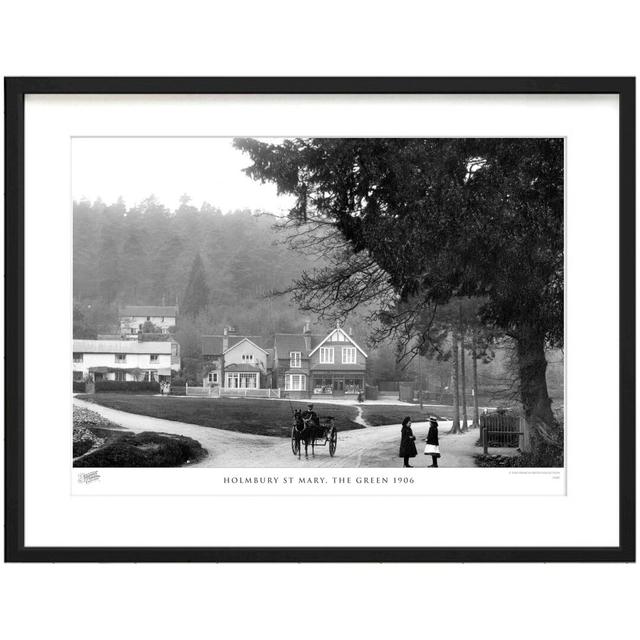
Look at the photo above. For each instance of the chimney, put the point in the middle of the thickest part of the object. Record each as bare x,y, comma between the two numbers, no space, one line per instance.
225,339
306,332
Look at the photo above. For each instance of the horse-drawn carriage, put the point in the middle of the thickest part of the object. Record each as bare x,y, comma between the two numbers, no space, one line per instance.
314,431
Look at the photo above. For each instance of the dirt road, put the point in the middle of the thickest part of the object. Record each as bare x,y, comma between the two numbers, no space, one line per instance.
370,447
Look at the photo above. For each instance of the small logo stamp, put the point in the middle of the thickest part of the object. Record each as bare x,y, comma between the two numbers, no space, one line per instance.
90,476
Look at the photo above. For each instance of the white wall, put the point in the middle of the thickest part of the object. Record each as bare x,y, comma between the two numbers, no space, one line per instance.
133,360
234,355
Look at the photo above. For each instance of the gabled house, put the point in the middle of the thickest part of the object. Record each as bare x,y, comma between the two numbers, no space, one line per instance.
329,364
236,362
133,319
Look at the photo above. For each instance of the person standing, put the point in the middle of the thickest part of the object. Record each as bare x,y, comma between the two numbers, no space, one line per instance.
407,442
432,447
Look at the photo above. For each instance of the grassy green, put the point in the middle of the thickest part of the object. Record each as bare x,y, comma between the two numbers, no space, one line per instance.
377,415
245,415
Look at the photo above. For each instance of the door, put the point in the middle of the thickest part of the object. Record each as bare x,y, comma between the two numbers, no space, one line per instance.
338,386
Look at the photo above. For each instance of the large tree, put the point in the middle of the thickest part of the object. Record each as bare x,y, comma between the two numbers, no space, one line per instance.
442,218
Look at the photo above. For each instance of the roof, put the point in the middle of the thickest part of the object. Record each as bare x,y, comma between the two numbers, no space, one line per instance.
341,332
212,345
245,339
287,342
120,346
241,367
148,311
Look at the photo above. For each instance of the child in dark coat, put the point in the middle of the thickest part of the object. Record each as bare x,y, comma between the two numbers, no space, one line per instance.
407,442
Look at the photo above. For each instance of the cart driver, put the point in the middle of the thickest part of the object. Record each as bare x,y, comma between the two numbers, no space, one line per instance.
309,415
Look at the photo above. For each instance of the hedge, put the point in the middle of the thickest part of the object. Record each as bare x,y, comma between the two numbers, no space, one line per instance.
146,449
105,386
79,386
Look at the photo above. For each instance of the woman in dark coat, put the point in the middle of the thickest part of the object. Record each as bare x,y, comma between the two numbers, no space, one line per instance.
433,444
407,442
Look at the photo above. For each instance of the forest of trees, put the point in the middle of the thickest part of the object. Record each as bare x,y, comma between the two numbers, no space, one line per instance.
148,254
221,269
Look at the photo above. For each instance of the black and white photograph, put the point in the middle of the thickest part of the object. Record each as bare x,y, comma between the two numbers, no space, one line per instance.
305,302
322,304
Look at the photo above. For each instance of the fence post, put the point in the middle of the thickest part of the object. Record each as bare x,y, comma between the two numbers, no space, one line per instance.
485,443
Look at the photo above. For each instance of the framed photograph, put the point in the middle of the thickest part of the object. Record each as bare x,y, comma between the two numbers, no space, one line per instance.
320,319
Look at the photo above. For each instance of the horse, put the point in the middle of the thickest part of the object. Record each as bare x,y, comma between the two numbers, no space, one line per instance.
304,431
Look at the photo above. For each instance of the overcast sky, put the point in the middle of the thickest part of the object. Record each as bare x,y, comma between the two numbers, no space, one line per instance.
207,169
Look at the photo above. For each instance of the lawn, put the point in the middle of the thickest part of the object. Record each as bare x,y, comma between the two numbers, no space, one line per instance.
377,415
245,415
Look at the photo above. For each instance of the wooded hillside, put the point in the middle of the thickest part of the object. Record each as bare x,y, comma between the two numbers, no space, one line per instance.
145,255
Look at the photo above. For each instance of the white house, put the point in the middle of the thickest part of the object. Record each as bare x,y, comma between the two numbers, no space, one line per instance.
243,364
133,318
124,360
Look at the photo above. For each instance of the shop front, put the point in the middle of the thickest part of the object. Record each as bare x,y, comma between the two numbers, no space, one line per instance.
332,384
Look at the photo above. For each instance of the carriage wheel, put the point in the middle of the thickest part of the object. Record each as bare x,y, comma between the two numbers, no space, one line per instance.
333,441
295,445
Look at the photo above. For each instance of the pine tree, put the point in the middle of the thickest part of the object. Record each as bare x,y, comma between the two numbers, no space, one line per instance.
196,295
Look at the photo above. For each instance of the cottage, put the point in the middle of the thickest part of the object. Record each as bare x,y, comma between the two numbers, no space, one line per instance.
308,364
133,319
236,362
125,360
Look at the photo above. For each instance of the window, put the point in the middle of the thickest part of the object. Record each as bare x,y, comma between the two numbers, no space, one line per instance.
353,385
247,356
77,357
150,376
322,385
121,357
348,355
213,377
248,380
153,358
121,376
174,349
326,355
77,376
294,359
295,382
134,331
338,336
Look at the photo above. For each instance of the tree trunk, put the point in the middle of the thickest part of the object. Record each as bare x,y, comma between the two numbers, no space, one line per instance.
532,366
463,384
455,428
474,369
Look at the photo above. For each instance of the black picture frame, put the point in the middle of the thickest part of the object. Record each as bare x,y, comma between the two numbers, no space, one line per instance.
15,91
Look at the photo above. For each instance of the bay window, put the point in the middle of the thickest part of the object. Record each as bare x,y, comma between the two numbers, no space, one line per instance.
295,382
